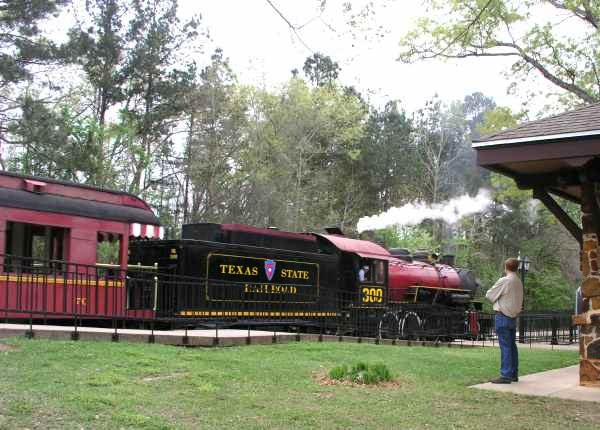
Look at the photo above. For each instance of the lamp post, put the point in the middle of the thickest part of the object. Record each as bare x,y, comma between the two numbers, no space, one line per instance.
523,269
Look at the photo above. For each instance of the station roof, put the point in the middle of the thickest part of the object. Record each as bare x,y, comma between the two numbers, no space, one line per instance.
545,154
578,123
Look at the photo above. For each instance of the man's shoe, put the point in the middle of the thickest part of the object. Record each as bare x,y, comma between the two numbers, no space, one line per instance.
501,380
514,379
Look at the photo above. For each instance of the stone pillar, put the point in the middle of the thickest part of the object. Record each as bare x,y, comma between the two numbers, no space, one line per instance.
589,342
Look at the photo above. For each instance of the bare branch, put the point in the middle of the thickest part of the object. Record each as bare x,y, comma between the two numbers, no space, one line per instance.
292,27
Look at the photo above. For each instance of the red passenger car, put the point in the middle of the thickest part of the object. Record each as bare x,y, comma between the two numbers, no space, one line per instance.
71,237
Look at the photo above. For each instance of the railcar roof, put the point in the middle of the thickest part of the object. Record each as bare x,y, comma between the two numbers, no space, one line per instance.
361,247
71,184
52,203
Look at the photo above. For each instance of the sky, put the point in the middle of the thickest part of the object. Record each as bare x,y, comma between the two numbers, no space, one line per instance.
262,49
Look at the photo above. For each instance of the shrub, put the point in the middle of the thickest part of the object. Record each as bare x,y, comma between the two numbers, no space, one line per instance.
339,372
362,373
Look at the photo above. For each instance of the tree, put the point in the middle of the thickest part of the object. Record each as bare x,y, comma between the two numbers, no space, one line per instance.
469,176
566,57
23,50
130,53
22,44
300,166
157,82
439,133
388,165
320,69
56,141
217,126
98,47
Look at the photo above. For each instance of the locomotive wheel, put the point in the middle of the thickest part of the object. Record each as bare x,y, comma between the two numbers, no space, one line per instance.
410,326
388,326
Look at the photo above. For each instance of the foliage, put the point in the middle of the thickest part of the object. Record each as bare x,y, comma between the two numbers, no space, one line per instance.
216,121
301,161
416,238
362,373
23,38
24,50
108,252
132,65
498,119
387,168
438,136
548,289
370,373
565,57
339,372
320,69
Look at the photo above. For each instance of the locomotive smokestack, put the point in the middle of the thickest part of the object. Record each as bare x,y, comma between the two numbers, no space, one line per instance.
334,230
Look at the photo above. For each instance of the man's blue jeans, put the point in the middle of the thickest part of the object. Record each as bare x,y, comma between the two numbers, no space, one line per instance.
506,329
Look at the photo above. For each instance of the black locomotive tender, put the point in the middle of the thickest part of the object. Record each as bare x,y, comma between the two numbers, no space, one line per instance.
234,274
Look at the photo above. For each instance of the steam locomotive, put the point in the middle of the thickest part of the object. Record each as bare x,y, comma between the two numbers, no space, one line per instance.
233,271
52,234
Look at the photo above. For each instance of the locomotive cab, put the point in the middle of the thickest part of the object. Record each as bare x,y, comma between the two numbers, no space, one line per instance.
363,299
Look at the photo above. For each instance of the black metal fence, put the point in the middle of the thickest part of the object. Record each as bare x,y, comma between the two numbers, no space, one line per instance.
37,291
550,326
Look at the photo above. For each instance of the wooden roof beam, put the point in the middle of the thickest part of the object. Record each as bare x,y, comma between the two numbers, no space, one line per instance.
564,218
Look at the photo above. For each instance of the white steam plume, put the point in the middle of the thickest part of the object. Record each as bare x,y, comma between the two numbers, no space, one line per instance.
415,213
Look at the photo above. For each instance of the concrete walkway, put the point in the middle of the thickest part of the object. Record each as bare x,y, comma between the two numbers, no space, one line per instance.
561,383
223,337
211,337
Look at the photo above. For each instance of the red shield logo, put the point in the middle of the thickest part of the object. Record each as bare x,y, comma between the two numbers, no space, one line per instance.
270,269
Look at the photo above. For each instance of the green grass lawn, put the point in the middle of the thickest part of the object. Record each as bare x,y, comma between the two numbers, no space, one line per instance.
52,384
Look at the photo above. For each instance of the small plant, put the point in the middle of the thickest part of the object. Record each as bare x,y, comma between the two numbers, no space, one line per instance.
381,372
338,372
362,373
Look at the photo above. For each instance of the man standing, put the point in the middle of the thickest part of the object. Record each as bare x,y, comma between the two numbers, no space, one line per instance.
507,297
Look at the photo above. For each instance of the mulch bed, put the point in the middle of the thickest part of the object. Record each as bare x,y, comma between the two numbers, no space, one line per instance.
324,379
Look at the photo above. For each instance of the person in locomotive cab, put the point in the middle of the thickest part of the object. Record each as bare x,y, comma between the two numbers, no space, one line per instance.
363,273
507,297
